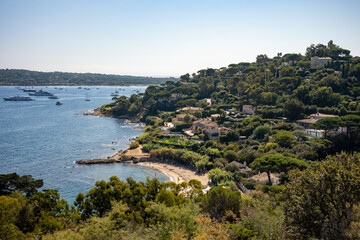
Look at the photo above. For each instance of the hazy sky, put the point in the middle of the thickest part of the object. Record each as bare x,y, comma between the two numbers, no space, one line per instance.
169,37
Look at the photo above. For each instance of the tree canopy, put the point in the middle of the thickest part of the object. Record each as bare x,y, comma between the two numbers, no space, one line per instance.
277,163
321,199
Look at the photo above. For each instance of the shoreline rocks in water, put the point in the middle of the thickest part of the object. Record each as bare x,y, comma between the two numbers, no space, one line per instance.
126,156
98,161
116,158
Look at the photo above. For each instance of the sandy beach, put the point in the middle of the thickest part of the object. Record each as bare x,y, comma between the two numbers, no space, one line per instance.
176,172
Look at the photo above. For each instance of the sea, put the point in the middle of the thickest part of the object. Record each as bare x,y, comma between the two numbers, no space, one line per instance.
42,139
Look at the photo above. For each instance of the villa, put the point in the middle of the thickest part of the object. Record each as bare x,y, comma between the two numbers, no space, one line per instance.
207,126
318,62
179,119
248,109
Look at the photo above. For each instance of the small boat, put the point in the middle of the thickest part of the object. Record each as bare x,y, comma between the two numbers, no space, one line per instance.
114,95
19,98
28,90
41,93
58,103
79,87
53,97
87,99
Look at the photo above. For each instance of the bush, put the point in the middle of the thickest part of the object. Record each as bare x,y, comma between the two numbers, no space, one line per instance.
145,138
134,145
219,177
220,200
249,184
231,155
180,155
261,131
284,138
231,167
149,146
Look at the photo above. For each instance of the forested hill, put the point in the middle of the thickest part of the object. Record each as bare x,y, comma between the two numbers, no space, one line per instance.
33,78
325,79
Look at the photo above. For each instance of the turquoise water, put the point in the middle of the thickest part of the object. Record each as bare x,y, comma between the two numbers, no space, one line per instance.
44,140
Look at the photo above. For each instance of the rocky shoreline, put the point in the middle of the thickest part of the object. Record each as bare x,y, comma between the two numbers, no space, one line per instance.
97,161
116,158
122,156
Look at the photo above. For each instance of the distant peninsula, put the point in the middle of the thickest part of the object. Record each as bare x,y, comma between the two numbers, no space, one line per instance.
22,77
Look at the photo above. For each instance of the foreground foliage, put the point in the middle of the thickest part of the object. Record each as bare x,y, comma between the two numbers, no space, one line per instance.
321,202
331,189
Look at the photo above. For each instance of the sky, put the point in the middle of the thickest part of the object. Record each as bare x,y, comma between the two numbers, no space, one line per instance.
166,38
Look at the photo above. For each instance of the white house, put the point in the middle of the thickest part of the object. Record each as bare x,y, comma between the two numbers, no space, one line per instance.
248,109
209,127
317,62
315,132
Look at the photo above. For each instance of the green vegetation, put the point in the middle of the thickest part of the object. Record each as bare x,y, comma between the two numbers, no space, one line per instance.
295,121
331,189
276,163
33,78
276,92
155,210
283,89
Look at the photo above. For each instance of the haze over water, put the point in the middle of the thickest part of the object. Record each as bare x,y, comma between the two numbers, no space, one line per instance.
44,140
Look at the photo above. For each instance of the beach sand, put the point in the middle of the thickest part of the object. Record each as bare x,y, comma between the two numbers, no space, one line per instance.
177,173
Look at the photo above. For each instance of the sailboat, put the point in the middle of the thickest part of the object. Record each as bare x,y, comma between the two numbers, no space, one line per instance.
87,97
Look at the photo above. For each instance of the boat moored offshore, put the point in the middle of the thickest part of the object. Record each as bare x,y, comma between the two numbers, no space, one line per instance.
53,97
41,93
19,98
28,90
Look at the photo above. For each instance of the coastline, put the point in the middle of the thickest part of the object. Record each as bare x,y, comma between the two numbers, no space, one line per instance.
177,173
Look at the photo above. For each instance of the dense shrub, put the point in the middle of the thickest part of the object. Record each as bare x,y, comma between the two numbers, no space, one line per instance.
134,145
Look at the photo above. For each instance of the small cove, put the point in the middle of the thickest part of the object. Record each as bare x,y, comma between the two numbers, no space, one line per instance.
41,139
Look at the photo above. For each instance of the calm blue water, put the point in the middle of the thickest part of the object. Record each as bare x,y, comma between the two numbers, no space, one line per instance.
41,139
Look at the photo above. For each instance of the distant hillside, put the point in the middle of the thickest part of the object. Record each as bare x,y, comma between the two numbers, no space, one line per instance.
26,77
